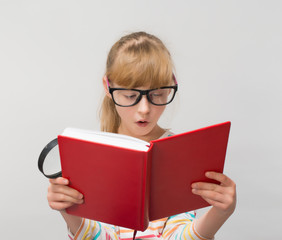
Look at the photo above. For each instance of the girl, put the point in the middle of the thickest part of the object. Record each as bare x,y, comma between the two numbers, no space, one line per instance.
139,83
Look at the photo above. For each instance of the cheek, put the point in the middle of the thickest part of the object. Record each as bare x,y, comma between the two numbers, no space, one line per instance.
158,111
123,112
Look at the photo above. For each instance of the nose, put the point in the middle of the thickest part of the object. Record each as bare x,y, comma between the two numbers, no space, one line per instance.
144,105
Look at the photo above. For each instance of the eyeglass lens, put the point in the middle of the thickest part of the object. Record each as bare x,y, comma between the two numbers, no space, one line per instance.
130,97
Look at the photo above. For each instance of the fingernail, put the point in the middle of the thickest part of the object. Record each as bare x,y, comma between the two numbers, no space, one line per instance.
66,181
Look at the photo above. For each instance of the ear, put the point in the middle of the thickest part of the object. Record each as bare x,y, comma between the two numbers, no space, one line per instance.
105,84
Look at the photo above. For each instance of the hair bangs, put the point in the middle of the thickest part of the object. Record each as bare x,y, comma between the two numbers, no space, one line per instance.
138,66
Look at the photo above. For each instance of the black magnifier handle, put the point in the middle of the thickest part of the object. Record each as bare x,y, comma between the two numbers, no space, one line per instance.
43,155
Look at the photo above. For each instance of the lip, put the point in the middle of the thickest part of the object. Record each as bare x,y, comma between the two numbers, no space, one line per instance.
142,123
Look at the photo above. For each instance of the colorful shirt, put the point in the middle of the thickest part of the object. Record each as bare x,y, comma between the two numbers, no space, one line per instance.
181,226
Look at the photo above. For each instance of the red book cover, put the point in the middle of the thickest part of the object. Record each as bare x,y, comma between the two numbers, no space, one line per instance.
112,180
129,188
180,160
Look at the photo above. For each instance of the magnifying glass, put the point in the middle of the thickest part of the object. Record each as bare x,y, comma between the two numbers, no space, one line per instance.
49,160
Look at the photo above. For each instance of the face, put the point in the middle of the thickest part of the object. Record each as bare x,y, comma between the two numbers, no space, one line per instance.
140,120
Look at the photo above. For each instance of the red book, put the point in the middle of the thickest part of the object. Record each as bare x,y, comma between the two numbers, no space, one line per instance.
128,187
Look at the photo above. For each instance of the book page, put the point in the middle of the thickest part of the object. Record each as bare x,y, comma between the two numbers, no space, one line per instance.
113,139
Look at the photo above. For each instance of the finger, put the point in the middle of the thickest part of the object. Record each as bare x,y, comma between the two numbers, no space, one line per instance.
60,205
59,180
220,177
61,189
226,191
207,186
215,203
211,195
58,197
58,185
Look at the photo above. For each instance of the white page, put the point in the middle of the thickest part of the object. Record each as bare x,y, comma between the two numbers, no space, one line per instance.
113,139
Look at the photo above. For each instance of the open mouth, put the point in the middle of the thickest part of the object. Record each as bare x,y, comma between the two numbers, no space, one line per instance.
142,123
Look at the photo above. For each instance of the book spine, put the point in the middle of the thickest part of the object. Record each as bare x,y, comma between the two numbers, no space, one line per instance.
147,186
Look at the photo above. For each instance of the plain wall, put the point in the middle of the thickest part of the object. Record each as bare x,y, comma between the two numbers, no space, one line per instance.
228,63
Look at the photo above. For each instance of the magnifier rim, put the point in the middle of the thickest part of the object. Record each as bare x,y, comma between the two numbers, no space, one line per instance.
43,155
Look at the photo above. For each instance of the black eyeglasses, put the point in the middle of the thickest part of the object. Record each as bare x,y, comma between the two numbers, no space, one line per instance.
124,97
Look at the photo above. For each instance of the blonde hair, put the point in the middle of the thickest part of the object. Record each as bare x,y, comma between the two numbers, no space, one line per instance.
138,59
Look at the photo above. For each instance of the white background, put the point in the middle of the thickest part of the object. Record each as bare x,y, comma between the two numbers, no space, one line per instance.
228,64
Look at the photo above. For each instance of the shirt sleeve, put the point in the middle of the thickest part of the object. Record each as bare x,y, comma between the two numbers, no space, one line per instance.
90,229
182,226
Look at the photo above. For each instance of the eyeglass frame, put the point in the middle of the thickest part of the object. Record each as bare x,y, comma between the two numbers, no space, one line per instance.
143,92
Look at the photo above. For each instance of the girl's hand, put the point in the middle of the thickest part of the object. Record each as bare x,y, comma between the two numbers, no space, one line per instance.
221,196
60,196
